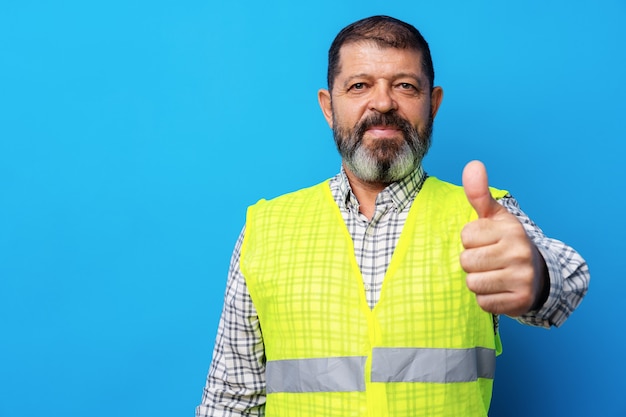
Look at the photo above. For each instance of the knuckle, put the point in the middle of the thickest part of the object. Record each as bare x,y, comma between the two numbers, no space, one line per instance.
487,304
526,299
466,234
464,259
524,253
470,281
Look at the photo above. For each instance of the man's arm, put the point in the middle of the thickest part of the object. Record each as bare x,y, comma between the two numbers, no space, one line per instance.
235,384
508,268
567,271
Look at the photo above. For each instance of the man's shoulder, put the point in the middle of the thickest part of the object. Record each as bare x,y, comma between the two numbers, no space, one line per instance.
436,185
301,196
450,189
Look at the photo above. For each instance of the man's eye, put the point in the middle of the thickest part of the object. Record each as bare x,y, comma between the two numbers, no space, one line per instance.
358,86
407,86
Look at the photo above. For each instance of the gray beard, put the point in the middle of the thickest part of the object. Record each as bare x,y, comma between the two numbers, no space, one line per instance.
387,162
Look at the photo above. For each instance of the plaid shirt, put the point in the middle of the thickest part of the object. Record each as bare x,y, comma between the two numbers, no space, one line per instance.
236,382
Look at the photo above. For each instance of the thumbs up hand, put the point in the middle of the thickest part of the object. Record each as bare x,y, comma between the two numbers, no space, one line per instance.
504,268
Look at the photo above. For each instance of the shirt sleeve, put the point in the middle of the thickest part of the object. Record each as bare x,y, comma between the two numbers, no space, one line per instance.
568,272
235,383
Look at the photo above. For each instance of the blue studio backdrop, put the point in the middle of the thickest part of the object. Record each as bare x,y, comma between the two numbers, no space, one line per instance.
134,134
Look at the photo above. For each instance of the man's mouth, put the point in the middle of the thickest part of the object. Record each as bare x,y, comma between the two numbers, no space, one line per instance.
383,131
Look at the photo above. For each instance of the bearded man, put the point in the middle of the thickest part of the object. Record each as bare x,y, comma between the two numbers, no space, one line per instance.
377,292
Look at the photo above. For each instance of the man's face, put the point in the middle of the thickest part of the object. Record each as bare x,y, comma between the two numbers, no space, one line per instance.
381,110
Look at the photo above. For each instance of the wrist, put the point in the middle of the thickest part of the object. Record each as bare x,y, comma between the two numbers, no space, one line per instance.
542,280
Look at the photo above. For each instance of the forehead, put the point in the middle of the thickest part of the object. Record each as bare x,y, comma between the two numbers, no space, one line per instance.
373,59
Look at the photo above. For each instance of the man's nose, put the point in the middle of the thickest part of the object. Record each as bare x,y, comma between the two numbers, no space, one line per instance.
382,99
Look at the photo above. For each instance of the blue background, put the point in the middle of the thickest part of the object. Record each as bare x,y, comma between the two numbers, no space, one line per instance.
133,135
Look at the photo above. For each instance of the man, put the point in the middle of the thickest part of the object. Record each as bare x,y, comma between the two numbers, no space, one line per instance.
376,293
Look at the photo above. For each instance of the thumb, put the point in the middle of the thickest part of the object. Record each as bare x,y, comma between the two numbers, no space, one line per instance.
476,186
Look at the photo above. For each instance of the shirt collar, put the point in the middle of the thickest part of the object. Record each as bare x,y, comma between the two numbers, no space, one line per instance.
399,193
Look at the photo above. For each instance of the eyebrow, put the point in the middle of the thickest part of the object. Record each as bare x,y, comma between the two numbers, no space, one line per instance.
348,80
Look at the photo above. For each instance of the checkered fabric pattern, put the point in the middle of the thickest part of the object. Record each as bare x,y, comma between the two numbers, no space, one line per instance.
236,381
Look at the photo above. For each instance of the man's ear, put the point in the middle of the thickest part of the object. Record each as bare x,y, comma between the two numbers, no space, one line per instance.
436,96
323,97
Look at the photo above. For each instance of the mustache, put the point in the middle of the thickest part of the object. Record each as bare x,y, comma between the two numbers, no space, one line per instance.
383,119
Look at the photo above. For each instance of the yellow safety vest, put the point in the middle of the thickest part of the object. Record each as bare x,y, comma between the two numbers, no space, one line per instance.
426,349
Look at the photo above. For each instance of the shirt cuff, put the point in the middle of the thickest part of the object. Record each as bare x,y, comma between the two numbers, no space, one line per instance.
548,314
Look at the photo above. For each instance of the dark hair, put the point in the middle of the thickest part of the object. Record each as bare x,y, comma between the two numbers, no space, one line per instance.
385,31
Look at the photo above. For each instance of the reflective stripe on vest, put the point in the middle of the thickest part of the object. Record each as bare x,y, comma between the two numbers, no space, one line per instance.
346,374
339,374
432,365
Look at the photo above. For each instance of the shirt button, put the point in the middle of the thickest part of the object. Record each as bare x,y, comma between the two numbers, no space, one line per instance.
367,287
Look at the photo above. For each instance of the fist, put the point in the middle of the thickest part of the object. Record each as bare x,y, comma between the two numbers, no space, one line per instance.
504,268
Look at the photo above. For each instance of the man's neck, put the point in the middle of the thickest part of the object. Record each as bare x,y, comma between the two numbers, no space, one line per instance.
365,193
